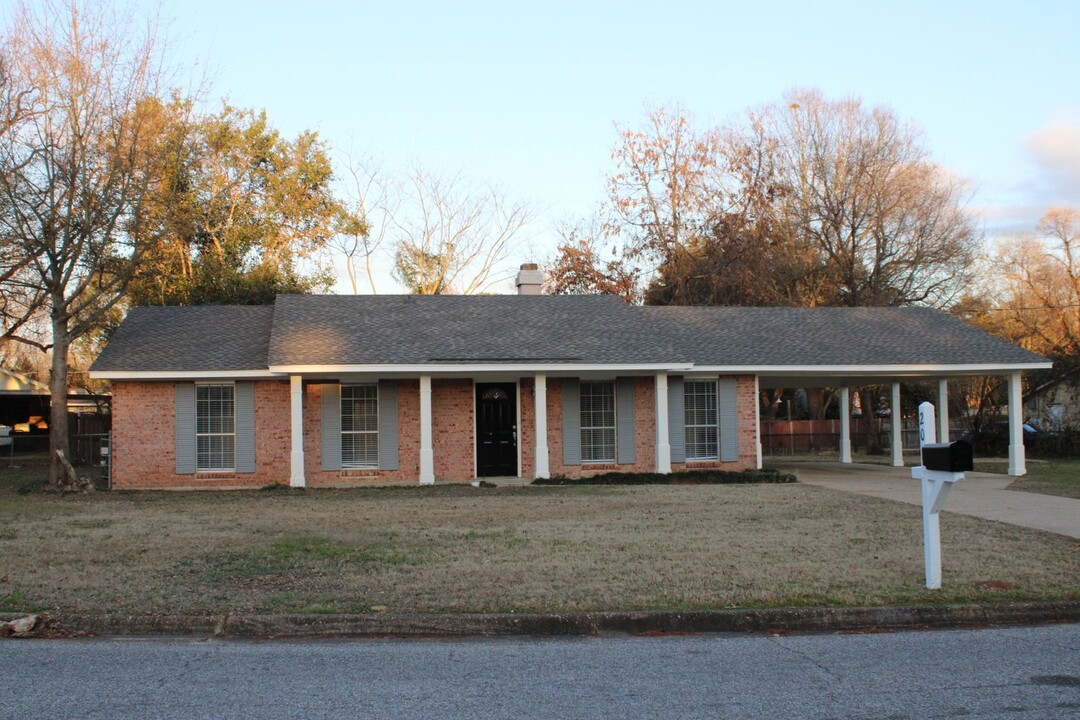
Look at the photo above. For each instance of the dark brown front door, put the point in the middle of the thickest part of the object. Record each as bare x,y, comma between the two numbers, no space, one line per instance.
496,429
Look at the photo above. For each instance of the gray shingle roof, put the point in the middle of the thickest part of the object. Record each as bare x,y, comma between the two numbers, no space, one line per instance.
832,336
406,329
223,337
402,329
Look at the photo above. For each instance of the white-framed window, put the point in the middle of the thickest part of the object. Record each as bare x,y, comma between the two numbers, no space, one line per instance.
700,420
597,422
359,426
215,427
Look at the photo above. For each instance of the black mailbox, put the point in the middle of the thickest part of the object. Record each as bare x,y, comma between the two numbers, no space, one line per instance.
950,457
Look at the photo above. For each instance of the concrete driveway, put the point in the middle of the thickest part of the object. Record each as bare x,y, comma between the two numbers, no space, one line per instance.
979,494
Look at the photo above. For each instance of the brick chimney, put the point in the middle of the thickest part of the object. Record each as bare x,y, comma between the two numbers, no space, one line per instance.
529,279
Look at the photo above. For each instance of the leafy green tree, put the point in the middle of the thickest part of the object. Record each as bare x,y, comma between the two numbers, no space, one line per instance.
242,214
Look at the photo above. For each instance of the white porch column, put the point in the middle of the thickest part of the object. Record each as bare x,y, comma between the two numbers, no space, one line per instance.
427,455
757,419
845,424
896,425
1017,464
943,409
296,431
663,443
541,468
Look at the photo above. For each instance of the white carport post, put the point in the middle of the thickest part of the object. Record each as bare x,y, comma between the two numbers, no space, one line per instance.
896,427
845,424
427,455
296,431
663,443
943,409
1017,466
541,469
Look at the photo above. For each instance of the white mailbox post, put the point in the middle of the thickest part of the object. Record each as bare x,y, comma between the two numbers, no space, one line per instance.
936,485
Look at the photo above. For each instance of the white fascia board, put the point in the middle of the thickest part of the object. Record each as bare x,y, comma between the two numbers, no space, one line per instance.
437,368
180,374
841,370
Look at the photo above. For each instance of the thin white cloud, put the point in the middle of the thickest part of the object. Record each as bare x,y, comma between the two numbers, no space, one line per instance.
1055,149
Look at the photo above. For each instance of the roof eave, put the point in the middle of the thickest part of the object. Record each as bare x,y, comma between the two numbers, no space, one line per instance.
893,369
434,368
180,374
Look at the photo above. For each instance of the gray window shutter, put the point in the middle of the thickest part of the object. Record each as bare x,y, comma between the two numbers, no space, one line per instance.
331,426
185,428
625,428
571,421
727,406
388,425
244,409
676,419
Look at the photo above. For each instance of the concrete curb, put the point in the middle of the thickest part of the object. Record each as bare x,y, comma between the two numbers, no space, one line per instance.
564,624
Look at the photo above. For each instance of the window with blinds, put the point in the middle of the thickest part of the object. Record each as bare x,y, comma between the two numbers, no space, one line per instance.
359,426
699,398
597,422
215,428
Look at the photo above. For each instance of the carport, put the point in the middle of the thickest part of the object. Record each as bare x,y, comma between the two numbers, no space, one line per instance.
853,347
853,377
21,398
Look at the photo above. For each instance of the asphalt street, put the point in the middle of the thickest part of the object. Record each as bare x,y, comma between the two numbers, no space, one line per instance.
990,673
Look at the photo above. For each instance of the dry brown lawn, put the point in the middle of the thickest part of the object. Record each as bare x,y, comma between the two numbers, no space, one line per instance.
463,549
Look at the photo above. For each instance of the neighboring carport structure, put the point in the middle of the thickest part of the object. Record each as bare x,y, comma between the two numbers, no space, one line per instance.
21,398
853,347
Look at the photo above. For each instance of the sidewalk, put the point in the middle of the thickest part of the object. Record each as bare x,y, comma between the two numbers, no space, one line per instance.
979,494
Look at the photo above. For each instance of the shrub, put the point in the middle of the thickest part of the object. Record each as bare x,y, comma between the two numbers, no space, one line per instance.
281,488
683,477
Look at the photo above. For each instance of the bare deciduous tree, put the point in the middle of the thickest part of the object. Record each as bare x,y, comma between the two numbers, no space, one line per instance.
807,202
665,184
1041,277
360,239
451,238
859,185
75,170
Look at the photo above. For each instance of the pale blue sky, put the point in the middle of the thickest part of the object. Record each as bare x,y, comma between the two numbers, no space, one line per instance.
525,95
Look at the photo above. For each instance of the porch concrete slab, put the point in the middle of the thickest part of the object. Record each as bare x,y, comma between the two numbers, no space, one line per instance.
979,494
507,480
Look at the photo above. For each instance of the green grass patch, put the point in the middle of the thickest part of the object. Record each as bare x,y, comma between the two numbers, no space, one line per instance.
684,477
19,602
1059,477
94,524
505,538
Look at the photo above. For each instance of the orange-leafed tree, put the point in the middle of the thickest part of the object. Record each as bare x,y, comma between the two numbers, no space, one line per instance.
581,267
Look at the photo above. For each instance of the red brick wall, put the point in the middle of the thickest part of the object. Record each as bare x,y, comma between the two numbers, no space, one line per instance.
747,428
408,471
144,437
527,425
453,430
144,432
644,420
273,443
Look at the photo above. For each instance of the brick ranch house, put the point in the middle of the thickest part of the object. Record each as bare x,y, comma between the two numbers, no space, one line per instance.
327,391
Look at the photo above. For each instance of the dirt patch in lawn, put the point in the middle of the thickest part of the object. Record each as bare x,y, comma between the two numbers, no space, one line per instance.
464,549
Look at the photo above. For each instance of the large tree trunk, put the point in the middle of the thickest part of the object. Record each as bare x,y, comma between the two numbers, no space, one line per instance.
58,417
